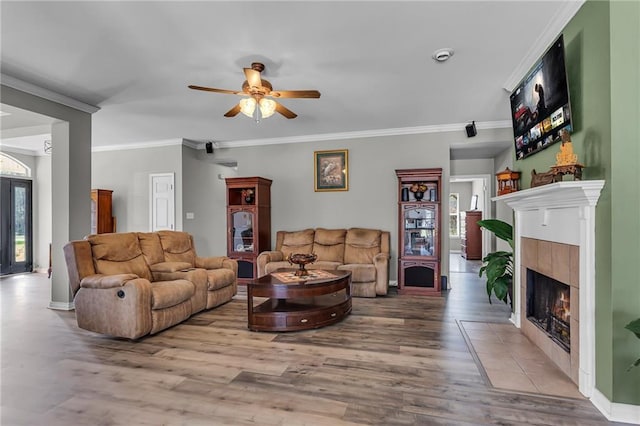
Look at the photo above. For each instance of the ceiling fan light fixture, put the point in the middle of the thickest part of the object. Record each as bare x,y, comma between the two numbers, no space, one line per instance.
247,106
267,107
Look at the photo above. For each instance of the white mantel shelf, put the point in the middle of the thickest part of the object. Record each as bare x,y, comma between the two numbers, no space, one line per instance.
555,195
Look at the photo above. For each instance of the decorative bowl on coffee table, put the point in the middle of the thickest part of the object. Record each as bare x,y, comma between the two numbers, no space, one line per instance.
301,259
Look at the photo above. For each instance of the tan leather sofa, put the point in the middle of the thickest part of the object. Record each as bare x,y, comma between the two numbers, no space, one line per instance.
364,252
133,284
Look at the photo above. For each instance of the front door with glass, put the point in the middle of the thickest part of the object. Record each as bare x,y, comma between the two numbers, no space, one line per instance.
16,250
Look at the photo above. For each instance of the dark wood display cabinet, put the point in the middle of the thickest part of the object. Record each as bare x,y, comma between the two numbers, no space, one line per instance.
470,235
419,225
102,220
248,222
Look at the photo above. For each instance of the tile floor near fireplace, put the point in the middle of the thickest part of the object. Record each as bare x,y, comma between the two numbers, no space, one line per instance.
512,362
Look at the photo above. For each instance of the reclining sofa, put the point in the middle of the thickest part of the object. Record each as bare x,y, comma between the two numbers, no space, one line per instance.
364,252
133,284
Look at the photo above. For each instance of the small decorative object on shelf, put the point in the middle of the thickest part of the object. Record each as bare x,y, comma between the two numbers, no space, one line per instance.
405,194
566,160
247,195
301,259
508,181
539,179
418,190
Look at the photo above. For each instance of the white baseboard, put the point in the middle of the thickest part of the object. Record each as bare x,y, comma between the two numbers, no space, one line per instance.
40,270
62,306
615,412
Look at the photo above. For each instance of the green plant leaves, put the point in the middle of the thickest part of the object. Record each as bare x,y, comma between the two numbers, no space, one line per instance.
634,327
498,267
501,229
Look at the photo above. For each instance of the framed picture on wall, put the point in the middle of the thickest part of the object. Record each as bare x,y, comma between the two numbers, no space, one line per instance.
331,170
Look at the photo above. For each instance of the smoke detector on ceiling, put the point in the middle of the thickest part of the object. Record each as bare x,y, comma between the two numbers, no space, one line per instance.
442,55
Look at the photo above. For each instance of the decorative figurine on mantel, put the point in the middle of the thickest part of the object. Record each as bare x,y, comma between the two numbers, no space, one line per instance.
566,160
508,181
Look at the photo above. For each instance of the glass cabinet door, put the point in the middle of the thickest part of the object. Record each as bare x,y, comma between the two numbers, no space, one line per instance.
242,231
419,231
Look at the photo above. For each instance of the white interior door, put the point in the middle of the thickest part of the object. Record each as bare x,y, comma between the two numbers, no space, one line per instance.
162,204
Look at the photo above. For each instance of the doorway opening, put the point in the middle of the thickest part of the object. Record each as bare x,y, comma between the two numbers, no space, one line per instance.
468,196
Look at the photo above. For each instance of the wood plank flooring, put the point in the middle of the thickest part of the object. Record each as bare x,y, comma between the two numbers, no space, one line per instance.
396,360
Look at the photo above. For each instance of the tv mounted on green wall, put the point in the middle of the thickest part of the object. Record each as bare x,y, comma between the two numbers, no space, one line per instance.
540,107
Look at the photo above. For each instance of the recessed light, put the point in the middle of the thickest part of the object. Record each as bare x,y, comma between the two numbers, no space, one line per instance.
442,55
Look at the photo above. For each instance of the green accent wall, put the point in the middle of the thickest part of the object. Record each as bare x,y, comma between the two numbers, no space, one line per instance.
625,193
603,63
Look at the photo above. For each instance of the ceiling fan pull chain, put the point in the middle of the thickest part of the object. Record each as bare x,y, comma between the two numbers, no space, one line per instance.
257,114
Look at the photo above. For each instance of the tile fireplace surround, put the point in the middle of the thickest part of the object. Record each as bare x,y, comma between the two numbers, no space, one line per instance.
555,235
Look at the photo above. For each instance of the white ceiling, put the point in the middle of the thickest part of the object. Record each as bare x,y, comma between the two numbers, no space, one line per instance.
370,60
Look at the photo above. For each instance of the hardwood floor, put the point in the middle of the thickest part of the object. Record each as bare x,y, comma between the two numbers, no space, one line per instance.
396,360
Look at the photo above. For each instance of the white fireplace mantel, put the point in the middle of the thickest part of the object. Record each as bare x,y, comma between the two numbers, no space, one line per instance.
562,212
555,195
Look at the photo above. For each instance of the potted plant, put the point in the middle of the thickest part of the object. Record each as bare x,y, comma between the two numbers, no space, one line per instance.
634,327
498,266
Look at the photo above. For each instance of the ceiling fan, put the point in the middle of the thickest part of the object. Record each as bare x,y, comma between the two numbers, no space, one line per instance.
258,93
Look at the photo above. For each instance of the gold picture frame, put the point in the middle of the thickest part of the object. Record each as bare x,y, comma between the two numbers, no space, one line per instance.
331,170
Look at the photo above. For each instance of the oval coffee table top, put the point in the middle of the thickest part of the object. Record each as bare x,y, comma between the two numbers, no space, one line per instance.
287,277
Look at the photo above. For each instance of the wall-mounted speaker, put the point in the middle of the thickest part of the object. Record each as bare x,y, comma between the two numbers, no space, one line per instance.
471,129
209,147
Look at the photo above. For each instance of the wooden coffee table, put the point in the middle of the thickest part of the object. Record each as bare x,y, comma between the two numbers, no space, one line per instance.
298,305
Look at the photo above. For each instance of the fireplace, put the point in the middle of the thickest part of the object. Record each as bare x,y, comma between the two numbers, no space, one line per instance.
554,231
549,307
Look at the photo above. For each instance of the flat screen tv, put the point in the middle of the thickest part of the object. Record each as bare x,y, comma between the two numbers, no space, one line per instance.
540,108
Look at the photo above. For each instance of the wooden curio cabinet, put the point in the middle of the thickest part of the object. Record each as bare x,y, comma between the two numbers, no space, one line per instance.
248,222
102,220
470,235
419,227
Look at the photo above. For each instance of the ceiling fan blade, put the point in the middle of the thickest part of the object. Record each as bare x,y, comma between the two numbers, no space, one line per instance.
212,89
233,111
295,94
285,111
253,77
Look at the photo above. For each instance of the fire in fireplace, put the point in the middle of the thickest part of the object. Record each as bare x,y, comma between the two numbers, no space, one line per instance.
548,307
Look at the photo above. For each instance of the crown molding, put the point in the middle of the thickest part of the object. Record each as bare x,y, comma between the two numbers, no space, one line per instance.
364,134
139,145
50,95
193,144
196,144
14,150
564,13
